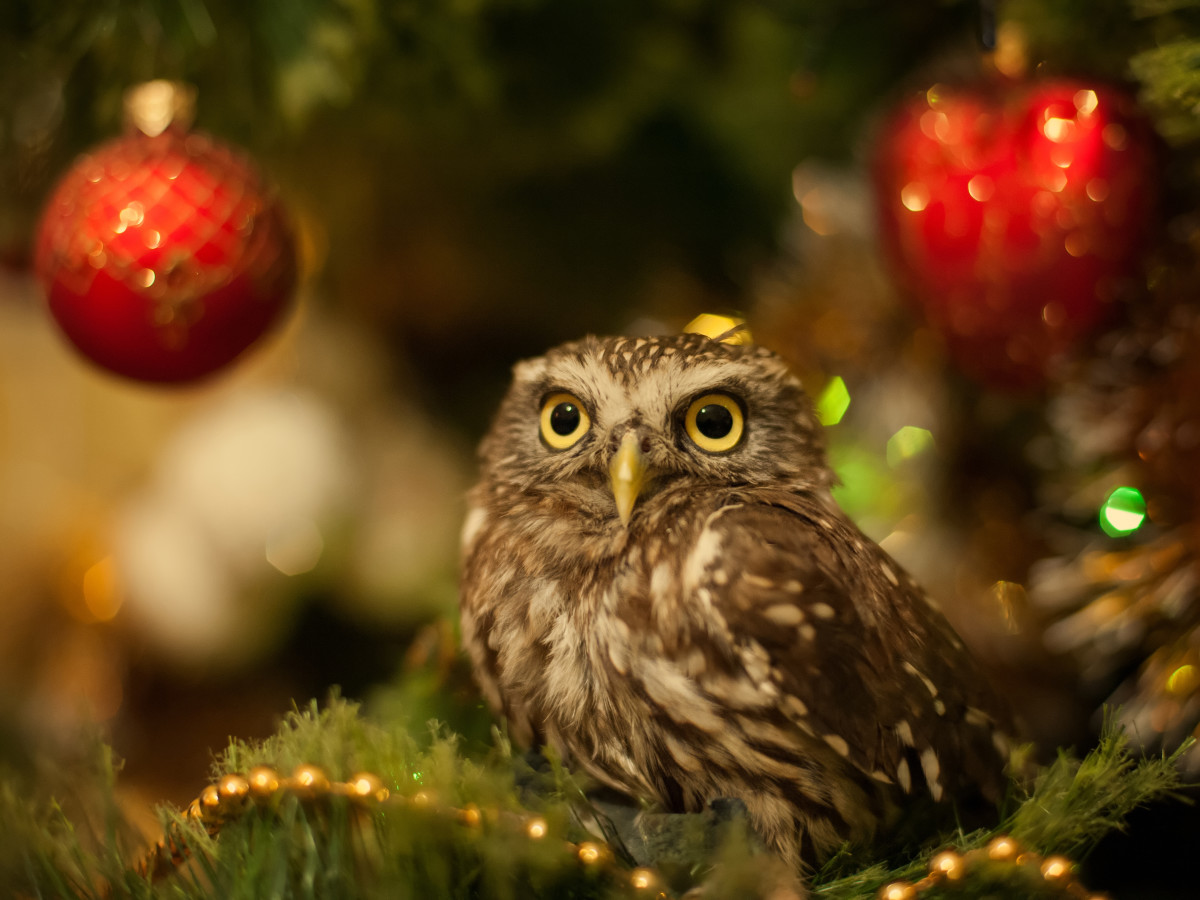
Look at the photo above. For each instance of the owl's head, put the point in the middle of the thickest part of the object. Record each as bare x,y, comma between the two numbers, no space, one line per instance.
606,424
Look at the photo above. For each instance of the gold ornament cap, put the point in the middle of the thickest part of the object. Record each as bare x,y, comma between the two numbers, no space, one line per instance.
154,106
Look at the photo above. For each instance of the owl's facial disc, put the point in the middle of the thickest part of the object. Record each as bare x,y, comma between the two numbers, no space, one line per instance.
628,472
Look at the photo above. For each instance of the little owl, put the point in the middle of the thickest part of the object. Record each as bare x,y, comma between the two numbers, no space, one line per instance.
657,583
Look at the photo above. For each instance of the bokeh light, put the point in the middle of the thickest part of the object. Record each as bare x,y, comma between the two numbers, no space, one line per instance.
908,442
833,402
1123,512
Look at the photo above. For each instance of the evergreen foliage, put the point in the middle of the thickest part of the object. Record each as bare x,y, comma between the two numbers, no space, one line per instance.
592,111
331,848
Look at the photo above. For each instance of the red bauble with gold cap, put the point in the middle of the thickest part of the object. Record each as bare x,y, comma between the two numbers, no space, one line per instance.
163,254
1015,215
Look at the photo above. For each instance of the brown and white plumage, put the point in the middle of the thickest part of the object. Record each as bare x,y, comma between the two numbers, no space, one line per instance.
688,619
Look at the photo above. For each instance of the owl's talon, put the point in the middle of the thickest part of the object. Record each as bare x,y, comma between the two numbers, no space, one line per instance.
729,809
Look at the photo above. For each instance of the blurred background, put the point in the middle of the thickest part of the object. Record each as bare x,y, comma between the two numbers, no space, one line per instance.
970,226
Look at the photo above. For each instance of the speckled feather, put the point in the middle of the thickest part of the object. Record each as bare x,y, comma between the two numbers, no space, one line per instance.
740,637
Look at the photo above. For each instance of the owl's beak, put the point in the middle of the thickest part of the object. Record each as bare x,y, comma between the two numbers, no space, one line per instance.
628,473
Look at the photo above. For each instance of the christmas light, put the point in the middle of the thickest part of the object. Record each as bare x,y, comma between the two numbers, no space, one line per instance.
1123,512
1184,680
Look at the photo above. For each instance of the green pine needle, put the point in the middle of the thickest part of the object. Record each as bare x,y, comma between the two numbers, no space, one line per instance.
328,850
1074,803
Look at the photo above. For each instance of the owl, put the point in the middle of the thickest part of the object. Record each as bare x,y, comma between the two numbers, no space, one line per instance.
657,582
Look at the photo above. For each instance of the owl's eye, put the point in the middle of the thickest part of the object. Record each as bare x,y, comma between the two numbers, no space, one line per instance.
715,423
564,421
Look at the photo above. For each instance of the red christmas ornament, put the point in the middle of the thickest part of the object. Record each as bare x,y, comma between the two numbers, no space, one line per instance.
1015,216
162,253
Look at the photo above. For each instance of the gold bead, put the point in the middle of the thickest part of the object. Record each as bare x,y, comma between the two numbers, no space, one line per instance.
309,781
948,864
233,788
471,816
194,810
366,786
590,853
210,798
264,782
1056,868
643,879
536,828
422,799
897,890
1003,849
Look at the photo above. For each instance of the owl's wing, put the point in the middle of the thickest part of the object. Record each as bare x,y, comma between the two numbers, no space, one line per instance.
859,658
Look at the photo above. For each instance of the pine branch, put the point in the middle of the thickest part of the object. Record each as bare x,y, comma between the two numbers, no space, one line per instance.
425,841
1170,78
1074,803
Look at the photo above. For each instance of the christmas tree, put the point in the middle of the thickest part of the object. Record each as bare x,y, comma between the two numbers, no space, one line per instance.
969,226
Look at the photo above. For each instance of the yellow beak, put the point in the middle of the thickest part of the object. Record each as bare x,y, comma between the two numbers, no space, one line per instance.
628,473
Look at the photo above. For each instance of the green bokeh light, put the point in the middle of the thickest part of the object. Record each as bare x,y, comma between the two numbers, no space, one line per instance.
1123,512
833,402
907,443
869,492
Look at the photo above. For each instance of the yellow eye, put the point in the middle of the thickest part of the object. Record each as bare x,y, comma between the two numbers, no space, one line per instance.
715,423
564,421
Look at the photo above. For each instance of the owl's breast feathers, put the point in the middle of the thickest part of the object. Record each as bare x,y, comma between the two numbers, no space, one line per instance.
754,644
860,658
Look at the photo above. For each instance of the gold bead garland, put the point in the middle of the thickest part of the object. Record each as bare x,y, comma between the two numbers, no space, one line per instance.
233,794
949,866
